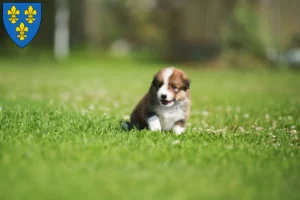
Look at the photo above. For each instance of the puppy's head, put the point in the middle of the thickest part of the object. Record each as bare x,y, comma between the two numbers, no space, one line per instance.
170,86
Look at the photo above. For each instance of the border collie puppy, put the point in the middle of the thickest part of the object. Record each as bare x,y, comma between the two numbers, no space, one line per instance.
166,106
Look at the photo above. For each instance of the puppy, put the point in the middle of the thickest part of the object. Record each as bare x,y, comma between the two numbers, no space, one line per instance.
166,106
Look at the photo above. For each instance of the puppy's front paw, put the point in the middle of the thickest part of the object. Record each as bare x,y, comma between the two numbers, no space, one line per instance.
155,127
154,123
178,129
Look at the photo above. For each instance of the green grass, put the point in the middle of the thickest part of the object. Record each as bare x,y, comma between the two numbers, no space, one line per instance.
60,136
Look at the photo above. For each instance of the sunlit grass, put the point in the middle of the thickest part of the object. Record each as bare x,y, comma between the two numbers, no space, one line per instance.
60,136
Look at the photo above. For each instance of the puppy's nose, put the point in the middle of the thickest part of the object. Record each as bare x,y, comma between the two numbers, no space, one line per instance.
163,96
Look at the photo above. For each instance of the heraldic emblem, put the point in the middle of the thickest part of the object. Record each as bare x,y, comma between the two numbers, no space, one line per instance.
22,21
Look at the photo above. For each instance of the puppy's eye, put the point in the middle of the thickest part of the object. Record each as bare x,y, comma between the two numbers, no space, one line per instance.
175,88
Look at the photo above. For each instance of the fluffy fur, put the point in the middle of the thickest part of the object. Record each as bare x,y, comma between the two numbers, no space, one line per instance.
166,106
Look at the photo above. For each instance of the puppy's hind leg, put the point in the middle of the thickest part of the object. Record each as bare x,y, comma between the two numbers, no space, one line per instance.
179,127
126,126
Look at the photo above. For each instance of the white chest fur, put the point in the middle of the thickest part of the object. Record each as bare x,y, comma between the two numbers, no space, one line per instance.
168,116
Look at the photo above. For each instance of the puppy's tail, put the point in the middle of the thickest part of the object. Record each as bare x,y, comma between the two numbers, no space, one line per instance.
126,126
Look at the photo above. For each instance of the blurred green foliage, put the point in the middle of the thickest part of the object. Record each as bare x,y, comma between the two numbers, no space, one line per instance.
246,32
165,30
144,27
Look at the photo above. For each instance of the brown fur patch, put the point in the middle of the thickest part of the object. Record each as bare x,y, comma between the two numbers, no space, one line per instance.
158,79
181,123
179,85
138,116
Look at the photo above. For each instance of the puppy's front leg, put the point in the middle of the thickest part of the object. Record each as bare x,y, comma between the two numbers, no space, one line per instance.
179,127
154,123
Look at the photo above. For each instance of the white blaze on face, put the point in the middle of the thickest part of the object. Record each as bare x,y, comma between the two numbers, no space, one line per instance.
164,88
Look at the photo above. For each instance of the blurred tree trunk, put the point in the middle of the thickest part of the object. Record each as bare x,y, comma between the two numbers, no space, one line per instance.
194,27
62,29
171,15
92,20
283,17
77,20
290,19
274,6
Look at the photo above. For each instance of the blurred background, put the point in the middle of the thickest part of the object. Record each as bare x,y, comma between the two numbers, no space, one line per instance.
264,33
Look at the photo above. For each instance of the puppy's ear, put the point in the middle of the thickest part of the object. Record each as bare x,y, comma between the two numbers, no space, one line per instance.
154,81
187,83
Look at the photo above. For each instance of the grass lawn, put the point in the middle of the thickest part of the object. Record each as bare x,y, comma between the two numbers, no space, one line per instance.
60,136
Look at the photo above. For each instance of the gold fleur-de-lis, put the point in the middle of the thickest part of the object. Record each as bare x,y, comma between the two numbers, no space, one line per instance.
22,29
30,12
13,12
